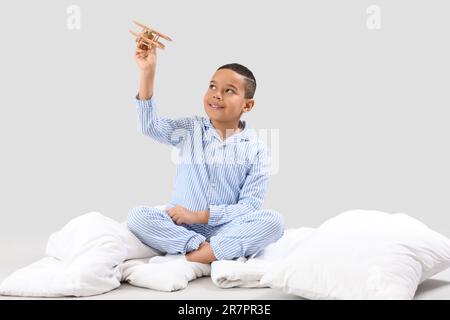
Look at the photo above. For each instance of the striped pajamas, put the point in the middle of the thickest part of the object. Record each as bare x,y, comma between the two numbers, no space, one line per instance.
227,177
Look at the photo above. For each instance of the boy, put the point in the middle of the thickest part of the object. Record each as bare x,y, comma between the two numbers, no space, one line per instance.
221,180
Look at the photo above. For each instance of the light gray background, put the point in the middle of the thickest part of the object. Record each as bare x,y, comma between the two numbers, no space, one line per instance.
362,114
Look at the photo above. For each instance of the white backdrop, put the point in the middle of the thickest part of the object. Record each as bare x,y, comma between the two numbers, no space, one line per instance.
361,111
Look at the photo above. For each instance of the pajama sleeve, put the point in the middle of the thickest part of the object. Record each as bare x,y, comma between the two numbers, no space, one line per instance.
164,130
251,196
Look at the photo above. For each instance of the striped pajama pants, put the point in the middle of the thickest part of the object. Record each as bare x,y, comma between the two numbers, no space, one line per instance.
244,236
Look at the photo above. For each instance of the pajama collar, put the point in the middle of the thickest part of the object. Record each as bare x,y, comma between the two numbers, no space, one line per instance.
245,135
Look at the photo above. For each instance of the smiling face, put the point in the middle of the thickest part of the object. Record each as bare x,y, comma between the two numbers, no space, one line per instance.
225,101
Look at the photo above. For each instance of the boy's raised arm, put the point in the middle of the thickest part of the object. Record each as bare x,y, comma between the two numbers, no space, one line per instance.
169,131
146,59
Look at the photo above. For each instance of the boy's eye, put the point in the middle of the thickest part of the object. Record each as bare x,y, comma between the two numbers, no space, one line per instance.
211,86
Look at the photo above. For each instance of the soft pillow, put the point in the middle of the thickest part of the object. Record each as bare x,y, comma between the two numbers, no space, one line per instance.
362,254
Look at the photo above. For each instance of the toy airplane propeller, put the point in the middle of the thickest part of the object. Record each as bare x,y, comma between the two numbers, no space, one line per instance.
148,37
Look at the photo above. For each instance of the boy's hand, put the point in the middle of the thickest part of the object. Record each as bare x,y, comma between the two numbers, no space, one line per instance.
181,215
146,59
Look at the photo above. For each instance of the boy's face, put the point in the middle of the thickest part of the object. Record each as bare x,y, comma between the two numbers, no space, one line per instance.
225,100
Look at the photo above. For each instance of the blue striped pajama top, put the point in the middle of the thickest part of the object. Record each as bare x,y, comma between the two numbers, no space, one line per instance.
229,178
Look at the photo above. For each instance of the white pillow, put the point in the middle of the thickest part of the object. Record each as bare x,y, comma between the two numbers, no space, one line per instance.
362,254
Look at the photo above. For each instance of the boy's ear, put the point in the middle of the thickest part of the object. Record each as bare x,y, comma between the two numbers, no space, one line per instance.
249,104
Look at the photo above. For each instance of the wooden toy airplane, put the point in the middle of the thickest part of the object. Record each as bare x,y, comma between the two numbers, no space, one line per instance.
148,37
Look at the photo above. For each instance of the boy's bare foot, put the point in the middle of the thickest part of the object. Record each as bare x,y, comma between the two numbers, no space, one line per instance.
204,254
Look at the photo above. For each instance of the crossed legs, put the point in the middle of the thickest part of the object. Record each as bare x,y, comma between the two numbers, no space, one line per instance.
244,236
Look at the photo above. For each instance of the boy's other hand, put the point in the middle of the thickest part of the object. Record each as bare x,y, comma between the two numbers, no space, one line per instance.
146,59
181,215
